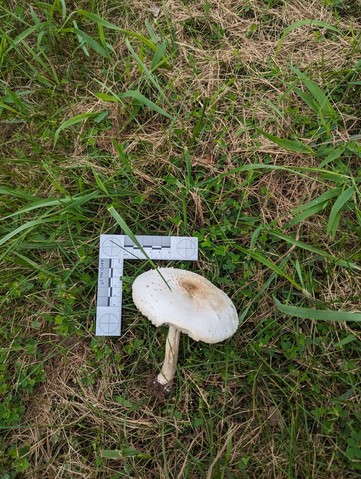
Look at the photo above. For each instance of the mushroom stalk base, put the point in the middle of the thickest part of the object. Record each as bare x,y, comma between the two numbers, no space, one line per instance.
167,373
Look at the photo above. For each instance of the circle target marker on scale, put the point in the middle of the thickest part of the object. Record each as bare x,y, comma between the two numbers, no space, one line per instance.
186,248
111,248
109,323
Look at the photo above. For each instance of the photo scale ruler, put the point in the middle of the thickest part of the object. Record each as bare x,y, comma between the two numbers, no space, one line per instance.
113,250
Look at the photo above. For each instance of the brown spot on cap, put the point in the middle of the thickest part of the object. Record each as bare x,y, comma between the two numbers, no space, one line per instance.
191,287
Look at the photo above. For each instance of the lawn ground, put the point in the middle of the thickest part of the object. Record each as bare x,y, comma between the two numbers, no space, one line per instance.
238,122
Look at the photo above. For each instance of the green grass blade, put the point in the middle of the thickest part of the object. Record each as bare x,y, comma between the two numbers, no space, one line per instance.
68,201
292,145
7,107
327,195
323,103
123,453
25,261
14,98
74,121
308,100
100,183
99,20
139,97
302,23
126,228
63,9
111,26
306,214
80,40
312,249
24,227
151,32
296,170
36,205
273,267
160,56
317,314
188,162
132,236
347,340
336,210
334,155
106,97
148,73
4,190
313,207
22,36
136,95
88,40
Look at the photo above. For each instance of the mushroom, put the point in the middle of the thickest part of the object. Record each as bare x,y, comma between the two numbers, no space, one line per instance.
188,303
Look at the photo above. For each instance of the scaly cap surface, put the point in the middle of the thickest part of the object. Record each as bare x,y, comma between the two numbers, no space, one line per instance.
192,304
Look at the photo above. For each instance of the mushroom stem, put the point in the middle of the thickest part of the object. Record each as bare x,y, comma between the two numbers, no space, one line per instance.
167,373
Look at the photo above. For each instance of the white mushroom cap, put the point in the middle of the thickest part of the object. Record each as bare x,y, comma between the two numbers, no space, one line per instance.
192,304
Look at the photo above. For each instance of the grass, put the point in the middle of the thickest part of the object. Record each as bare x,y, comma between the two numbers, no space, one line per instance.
236,122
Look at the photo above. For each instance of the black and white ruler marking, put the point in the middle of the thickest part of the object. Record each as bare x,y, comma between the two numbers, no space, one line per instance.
113,250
